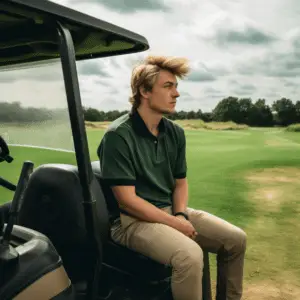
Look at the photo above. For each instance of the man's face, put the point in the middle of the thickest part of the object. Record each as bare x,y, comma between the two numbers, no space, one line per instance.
162,98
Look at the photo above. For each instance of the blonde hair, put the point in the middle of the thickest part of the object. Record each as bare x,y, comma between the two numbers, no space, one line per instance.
145,74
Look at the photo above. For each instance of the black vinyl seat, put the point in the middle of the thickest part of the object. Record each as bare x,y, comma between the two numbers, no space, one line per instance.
52,205
121,257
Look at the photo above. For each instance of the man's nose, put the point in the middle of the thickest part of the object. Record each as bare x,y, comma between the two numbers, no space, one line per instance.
176,94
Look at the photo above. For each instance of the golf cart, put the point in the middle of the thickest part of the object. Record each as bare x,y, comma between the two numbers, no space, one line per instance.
57,228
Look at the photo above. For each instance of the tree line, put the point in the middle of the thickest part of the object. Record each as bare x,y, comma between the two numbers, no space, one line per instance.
15,113
281,112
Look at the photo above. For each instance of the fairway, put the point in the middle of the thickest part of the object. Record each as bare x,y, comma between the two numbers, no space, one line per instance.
249,177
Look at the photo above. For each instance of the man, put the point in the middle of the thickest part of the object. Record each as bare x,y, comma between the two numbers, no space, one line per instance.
143,160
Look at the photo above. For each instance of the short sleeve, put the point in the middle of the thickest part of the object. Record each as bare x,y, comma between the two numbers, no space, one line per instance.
181,165
115,160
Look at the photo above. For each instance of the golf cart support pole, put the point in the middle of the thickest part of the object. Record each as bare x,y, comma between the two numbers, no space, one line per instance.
68,61
206,282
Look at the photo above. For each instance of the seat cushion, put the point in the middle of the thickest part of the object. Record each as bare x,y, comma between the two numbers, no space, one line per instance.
134,263
81,287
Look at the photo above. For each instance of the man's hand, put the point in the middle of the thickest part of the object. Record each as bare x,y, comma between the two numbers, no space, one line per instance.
181,217
186,227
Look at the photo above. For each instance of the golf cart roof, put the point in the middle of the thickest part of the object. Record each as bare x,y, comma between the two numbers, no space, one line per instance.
29,33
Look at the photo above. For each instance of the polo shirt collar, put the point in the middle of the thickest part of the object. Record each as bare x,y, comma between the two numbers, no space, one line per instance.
140,127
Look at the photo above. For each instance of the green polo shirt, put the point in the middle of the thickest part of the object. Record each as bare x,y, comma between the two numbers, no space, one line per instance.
131,155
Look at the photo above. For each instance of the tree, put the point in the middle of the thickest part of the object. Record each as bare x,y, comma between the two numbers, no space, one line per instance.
191,115
262,114
199,114
227,110
285,112
246,111
92,115
297,108
15,112
181,115
207,117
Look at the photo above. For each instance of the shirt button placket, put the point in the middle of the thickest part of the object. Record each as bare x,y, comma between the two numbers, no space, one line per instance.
156,148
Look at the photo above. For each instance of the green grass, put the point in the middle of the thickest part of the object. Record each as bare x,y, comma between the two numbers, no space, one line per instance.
218,163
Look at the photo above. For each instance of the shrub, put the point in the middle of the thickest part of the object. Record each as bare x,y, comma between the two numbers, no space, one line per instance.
293,127
225,126
200,124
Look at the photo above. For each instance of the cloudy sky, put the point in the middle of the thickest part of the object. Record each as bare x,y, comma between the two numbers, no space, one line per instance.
243,48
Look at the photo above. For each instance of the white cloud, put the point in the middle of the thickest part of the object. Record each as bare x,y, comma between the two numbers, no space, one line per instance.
250,48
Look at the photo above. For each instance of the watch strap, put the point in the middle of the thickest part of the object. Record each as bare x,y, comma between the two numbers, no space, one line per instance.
181,214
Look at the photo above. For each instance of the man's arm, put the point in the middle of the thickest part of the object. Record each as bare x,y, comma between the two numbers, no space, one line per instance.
145,211
180,195
141,209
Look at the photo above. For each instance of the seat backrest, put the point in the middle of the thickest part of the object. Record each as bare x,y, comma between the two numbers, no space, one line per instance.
4,213
111,202
53,205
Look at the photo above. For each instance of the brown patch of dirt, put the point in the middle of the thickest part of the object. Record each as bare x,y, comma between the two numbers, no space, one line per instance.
275,175
281,142
271,291
267,290
262,224
274,186
274,143
272,197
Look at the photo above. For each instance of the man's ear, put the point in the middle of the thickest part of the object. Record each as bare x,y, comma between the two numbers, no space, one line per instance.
143,92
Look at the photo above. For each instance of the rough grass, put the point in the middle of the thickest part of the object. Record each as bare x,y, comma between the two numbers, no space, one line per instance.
199,124
96,125
293,128
186,124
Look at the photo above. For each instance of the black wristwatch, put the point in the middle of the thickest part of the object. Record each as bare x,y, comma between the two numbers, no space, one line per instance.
181,214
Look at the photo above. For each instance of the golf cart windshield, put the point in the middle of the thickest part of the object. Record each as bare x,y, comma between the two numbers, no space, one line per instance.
41,116
35,36
33,106
34,117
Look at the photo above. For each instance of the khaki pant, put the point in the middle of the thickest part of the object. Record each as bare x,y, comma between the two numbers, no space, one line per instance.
169,246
